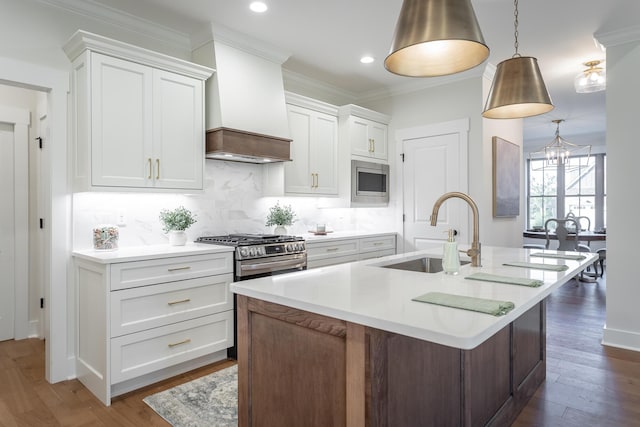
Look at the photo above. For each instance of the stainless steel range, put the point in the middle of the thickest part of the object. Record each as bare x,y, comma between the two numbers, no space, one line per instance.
260,255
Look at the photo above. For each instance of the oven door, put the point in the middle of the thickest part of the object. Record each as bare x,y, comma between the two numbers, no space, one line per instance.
269,266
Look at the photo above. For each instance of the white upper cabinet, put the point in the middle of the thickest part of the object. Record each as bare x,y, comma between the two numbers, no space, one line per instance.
314,149
366,132
138,117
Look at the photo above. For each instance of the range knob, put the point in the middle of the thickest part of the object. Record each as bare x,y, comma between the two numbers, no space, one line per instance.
244,252
260,250
252,251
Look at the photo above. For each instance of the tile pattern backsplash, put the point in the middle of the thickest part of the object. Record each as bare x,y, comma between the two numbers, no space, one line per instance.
231,203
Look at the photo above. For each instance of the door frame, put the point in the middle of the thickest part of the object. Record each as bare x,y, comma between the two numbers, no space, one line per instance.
19,118
458,126
59,295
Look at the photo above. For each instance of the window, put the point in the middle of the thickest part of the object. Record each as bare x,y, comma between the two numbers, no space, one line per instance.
555,192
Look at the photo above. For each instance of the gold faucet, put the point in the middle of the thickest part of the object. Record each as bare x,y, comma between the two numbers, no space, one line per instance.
474,252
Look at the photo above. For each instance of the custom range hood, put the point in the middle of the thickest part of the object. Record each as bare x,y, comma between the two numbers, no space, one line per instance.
246,115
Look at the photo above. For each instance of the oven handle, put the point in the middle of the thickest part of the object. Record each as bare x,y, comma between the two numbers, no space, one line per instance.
297,263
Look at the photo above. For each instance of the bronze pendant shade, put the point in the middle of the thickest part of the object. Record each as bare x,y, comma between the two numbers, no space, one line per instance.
436,38
518,90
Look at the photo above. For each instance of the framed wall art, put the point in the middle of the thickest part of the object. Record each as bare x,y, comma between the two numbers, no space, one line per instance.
506,178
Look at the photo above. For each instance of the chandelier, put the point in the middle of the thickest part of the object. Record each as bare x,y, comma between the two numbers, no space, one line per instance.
560,152
593,79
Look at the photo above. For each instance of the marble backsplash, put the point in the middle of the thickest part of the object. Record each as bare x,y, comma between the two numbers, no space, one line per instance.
231,203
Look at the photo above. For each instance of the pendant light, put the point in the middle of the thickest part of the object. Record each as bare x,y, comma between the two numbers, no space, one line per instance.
593,79
518,89
436,38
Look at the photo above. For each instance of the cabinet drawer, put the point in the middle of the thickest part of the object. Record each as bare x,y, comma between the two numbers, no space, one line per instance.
331,249
369,244
148,351
376,254
331,261
141,273
146,307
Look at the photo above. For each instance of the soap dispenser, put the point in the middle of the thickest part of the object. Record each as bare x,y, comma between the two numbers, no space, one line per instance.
451,257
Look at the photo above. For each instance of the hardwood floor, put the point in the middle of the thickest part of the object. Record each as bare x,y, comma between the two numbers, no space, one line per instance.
587,384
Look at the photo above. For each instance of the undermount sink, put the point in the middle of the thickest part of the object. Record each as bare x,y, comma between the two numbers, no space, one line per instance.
423,265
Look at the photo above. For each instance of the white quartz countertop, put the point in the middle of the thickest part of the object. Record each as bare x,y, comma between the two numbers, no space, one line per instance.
365,293
139,253
339,235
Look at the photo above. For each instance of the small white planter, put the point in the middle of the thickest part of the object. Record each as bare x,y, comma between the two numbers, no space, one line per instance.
280,230
177,238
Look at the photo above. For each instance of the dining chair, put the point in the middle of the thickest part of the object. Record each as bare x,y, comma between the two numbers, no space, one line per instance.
585,225
562,233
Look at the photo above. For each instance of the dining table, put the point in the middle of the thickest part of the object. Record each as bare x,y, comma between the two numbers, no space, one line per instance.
584,236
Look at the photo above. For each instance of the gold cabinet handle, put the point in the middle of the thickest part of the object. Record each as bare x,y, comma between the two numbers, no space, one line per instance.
186,267
332,249
373,145
150,168
157,168
182,301
187,341
317,180
378,243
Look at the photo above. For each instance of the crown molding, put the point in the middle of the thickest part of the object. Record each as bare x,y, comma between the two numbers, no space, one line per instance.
118,18
423,83
314,85
618,36
83,40
220,34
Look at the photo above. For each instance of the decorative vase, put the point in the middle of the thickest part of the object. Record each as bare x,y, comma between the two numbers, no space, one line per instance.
280,230
177,238
105,237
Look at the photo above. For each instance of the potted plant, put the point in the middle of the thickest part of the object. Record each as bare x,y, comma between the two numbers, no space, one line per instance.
175,222
280,216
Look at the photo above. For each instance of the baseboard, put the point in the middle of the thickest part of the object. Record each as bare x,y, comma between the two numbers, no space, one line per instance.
622,339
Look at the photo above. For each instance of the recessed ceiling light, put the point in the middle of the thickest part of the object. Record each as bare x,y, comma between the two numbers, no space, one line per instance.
367,59
258,6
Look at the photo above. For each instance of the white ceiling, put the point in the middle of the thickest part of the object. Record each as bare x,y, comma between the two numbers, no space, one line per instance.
326,39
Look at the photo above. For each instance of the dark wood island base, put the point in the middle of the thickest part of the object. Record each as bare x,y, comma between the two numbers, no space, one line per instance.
297,368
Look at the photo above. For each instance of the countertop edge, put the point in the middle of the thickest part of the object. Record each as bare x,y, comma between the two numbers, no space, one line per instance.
432,335
142,253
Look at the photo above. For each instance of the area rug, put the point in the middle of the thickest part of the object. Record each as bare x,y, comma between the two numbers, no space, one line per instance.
208,401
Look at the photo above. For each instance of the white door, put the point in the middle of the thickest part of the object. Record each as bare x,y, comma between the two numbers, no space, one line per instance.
7,233
178,139
297,173
121,123
324,153
435,162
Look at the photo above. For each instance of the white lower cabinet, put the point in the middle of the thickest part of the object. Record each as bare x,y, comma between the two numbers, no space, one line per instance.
143,321
321,253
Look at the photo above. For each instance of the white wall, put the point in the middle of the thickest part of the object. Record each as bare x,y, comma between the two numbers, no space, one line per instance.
622,327
456,100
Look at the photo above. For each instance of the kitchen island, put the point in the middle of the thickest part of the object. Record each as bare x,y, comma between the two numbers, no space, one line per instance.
346,345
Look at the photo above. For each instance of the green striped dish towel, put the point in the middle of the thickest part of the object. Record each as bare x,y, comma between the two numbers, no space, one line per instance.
534,283
538,266
482,305
574,257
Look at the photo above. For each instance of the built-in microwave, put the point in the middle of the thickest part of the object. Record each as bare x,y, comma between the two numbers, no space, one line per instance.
369,183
